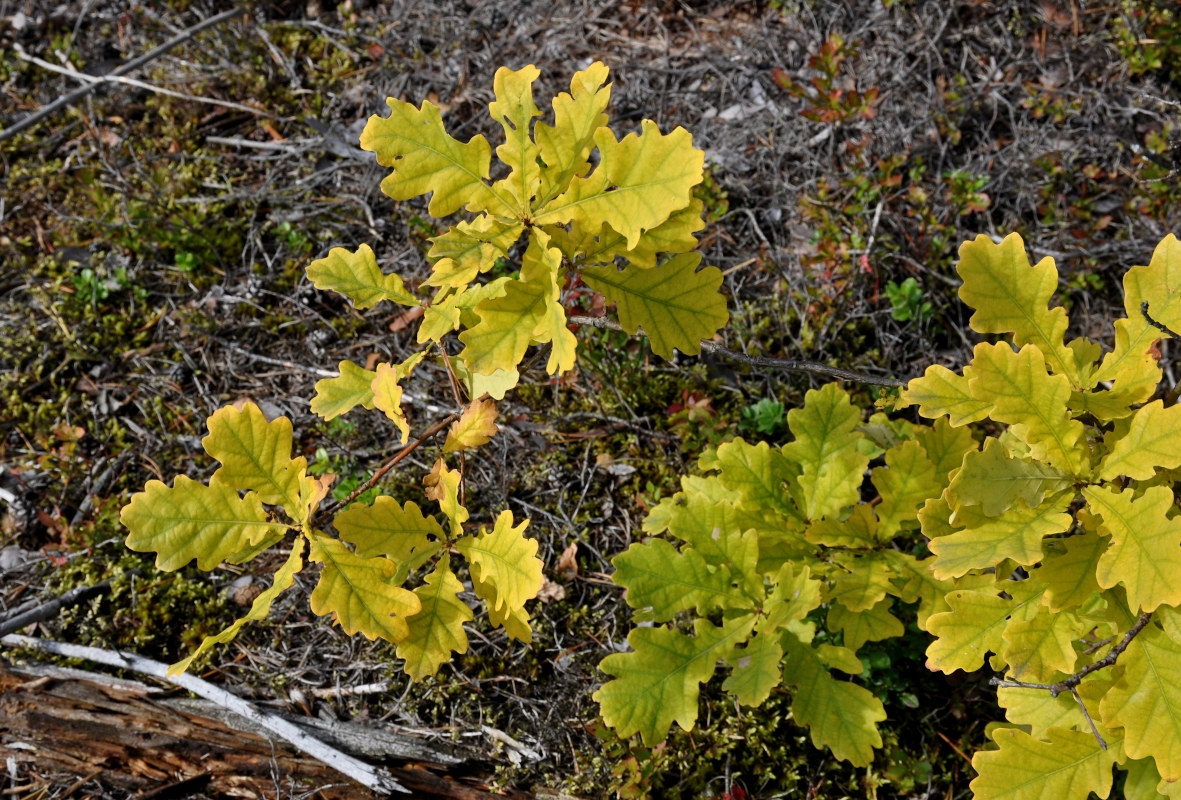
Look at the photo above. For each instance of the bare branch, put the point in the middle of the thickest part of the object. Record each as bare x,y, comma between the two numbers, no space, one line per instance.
790,365
135,63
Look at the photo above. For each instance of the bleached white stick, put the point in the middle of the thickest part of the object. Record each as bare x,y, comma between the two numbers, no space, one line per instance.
367,775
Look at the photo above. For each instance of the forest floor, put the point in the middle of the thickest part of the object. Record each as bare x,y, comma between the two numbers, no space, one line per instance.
154,236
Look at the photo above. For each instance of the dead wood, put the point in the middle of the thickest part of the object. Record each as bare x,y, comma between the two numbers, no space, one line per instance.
137,738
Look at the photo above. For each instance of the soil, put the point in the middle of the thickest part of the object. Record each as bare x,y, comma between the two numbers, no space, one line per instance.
154,236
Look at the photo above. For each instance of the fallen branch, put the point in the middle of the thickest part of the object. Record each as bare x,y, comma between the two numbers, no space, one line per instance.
50,609
790,365
371,777
92,80
135,63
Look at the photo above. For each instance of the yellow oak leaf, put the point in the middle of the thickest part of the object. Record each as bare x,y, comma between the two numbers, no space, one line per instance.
475,427
359,593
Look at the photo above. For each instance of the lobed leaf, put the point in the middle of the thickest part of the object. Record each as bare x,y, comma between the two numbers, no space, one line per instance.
1010,296
904,483
191,520
336,396
1131,367
505,563
942,393
757,472
858,530
1069,573
1039,647
985,542
357,276
506,327
387,397
864,581
870,625
657,683
1146,701
565,145
424,158
1023,393
1041,710
515,110
358,592
543,264
995,481
973,626
825,448
469,248
1145,551
403,534
515,621
476,426
1152,441
442,486
756,670
1068,764
639,183
437,629
839,715
255,456
661,581
676,305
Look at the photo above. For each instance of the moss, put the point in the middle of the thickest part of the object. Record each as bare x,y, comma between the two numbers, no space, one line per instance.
156,614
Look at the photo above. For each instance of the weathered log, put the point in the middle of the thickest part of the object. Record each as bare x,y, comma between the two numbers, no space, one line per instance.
138,738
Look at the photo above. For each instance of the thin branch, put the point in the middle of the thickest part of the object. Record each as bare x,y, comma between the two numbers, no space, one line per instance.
790,365
151,87
1087,714
135,63
49,610
1070,684
387,466
374,778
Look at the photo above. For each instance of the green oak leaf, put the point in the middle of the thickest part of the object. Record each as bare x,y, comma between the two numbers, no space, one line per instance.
657,683
352,388
505,563
436,630
403,534
1010,296
1067,764
1152,441
191,520
676,305
640,181
359,593
661,581
357,277
255,455
1145,552
839,715
424,158
940,392
826,450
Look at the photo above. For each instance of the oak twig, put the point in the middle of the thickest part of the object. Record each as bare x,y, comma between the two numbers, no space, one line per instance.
1070,684
387,466
791,365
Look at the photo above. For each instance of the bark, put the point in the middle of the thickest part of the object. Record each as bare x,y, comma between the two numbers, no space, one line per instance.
141,739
